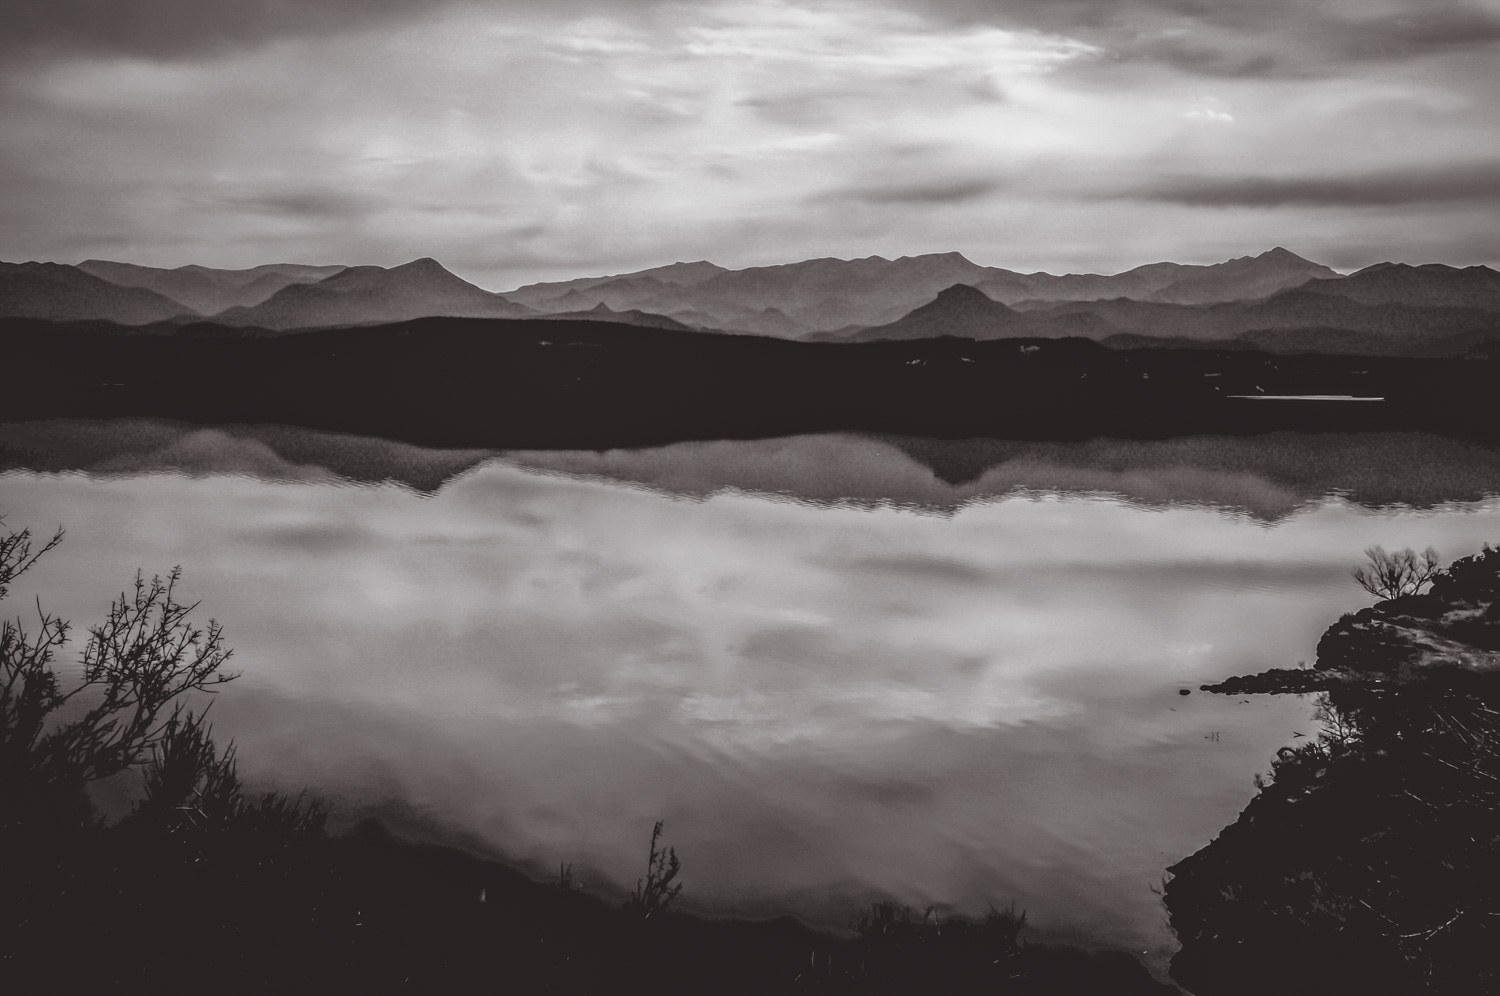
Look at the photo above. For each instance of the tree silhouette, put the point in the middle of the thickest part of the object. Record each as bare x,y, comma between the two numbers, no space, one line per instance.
1392,575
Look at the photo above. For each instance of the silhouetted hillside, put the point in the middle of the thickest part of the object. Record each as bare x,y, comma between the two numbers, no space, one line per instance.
58,292
967,312
1476,344
959,310
560,384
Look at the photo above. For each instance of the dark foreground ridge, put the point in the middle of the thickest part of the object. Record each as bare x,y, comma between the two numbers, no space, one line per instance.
449,382
1367,861
245,911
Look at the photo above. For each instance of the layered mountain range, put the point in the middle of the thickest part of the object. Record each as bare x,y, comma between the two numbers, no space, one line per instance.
208,291
1276,301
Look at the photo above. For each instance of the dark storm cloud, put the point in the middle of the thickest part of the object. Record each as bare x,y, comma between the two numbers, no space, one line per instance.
1216,38
1387,188
804,107
321,204
1422,31
1212,37
930,193
1209,61
1234,39
185,27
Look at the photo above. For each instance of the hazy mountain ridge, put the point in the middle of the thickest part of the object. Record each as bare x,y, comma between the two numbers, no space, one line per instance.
1240,278
1275,300
1296,308
1429,285
960,310
681,274
1295,320
821,295
364,295
206,290
1244,278
58,292
786,300
603,313
965,311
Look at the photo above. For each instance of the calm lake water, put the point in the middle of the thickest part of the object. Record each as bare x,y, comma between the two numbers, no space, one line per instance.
840,668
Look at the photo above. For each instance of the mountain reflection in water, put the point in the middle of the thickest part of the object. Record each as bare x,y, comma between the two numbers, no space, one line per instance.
844,667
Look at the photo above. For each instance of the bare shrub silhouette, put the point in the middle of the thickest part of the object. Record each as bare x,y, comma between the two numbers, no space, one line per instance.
136,669
1392,575
128,708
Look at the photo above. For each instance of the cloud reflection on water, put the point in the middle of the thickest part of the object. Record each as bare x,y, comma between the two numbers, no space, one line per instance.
825,701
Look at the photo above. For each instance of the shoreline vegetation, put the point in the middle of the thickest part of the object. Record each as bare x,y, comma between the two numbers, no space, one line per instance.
203,884
1366,861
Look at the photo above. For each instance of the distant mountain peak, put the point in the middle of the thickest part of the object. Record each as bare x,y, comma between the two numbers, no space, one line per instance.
960,310
954,257
963,294
363,295
421,264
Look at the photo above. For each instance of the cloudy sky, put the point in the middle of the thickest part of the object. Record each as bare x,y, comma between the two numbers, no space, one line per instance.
528,139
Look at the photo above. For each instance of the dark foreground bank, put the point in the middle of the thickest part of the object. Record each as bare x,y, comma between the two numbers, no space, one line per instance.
99,910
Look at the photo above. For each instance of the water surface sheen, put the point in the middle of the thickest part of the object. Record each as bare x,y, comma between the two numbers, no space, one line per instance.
966,697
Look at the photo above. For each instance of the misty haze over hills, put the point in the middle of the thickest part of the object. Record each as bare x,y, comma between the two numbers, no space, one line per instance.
363,295
206,290
1276,301
820,295
62,293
